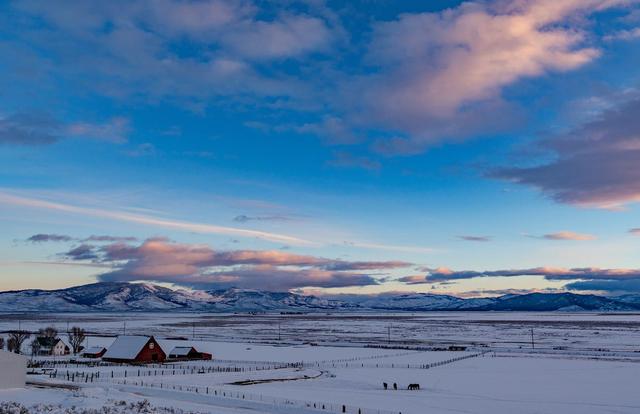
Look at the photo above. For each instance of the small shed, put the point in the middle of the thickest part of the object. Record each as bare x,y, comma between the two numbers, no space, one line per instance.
134,349
188,353
14,370
94,352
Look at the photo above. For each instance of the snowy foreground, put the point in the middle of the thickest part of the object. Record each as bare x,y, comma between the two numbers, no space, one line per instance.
582,363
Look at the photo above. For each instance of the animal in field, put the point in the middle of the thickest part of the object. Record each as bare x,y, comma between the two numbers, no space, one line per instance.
413,387
384,384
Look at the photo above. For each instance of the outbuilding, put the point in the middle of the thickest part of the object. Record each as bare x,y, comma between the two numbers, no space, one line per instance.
13,373
188,353
134,349
94,352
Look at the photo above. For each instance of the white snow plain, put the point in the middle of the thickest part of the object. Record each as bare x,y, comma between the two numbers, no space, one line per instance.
581,363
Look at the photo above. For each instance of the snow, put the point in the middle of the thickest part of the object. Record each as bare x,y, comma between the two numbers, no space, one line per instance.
582,363
93,350
14,370
126,347
180,351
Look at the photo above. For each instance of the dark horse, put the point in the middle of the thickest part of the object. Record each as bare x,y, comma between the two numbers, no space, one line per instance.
384,384
413,387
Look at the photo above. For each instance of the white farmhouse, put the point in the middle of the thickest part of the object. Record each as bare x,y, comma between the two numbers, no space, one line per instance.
51,346
13,373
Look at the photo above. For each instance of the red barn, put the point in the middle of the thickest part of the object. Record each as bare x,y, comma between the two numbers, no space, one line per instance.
135,350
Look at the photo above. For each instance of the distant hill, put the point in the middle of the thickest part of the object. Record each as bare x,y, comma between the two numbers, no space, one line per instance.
113,297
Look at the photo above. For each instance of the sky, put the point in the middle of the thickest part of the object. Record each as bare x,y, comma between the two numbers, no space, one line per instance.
468,148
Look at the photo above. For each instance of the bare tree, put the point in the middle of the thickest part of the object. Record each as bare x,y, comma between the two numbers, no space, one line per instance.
1,343
11,345
76,338
35,347
16,340
48,332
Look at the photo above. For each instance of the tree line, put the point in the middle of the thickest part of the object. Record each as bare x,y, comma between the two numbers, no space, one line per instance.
16,339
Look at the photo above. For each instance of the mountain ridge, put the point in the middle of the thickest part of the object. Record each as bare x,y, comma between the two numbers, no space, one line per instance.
123,296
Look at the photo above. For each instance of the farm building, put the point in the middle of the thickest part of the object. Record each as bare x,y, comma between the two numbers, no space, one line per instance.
134,349
14,370
188,353
94,352
51,346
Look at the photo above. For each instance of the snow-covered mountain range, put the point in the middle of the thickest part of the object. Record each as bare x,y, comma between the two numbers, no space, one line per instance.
113,297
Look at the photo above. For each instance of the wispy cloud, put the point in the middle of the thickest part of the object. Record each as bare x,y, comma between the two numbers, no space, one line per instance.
343,159
244,218
43,237
390,247
567,235
34,129
475,238
11,199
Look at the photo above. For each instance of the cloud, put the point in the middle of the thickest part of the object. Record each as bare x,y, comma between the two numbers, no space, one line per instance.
414,280
82,252
161,260
343,159
594,165
115,130
435,67
28,129
549,273
31,129
142,150
42,237
567,235
389,247
288,36
106,238
475,238
635,232
621,286
133,48
6,198
411,81
630,34
244,219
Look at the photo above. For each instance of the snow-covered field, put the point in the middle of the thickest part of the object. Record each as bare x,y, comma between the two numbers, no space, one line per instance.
581,363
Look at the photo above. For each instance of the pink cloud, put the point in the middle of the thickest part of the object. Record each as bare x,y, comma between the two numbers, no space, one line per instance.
162,260
568,235
435,66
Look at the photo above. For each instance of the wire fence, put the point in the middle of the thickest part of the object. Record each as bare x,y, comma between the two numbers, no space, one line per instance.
91,376
217,393
396,365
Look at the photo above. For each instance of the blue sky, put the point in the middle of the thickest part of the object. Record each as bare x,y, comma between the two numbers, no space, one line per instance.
472,148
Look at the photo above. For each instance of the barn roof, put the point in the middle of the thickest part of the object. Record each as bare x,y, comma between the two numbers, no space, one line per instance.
126,347
93,350
181,350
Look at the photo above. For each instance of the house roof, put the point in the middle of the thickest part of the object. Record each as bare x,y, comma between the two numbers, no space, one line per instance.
181,350
93,350
126,347
48,342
